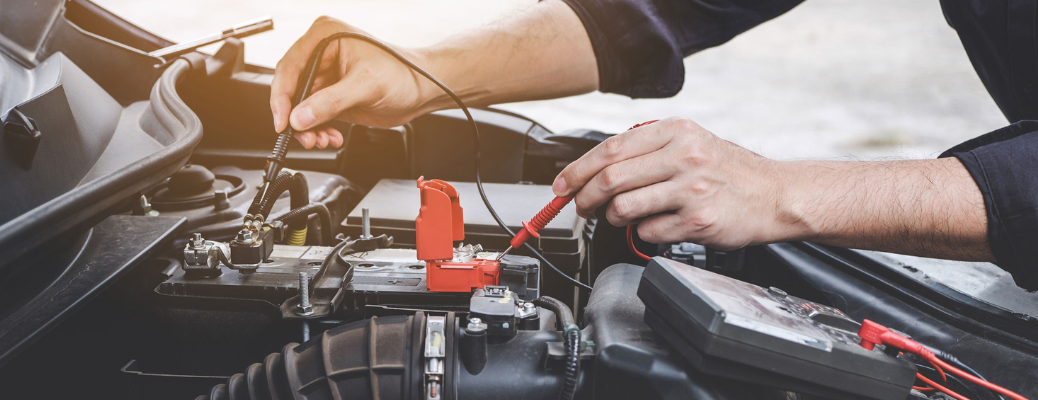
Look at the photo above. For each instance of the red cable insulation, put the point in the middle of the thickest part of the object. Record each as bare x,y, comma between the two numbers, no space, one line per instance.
941,388
944,378
981,382
630,243
872,334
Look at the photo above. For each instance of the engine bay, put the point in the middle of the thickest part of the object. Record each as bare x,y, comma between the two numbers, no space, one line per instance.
136,263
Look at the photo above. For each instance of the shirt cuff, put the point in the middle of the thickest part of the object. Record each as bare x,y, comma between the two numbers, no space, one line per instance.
1004,164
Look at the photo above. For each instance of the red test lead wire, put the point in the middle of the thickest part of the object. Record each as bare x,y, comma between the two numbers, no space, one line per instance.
548,213
872,334
630,243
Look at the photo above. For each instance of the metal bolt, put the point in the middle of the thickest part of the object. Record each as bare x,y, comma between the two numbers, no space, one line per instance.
146,207
505,325
220,201
476,325
365,224
197,240
528,306
305,308
244,236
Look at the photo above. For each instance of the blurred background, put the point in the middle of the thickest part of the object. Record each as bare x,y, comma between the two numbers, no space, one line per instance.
830,79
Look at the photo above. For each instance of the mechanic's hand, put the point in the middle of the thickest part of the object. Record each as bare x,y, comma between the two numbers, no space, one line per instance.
682,183
356,82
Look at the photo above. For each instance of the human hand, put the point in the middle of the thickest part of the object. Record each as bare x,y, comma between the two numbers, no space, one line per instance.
355,82
682,183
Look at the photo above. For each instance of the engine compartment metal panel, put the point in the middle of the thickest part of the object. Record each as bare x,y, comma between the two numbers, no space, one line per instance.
114,246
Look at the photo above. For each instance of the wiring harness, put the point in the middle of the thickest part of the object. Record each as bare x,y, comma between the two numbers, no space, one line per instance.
873,334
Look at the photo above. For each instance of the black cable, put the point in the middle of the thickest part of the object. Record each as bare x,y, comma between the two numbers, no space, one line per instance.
951,359
298,217
953,378
572,341
286,180
304,91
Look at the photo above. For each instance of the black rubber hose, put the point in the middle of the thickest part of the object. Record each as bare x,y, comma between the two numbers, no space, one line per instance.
572,340
561,310
292,181
359,360
298,217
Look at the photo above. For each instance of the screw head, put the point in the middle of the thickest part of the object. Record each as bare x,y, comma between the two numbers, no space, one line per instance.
476,325
244,236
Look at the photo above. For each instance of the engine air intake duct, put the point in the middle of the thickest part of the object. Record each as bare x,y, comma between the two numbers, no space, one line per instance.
376,358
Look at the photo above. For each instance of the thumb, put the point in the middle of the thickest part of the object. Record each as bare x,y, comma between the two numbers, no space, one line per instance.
329,102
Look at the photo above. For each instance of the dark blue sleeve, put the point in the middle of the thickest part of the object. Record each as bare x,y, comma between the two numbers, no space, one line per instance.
640,44
1004,163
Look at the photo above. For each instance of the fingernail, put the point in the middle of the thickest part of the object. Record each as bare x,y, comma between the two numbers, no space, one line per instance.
304,118
307,140
559,187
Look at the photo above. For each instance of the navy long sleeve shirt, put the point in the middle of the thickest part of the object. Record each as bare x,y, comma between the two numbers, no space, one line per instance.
640,44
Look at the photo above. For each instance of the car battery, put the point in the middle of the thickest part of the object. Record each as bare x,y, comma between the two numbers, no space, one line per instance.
737,330
393,205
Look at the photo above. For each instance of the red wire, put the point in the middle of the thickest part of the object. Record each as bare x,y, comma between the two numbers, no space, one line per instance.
944,378
630,228
872,334
630,243
941,388
981,382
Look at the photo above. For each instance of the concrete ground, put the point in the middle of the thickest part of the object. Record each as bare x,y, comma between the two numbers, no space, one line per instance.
831,78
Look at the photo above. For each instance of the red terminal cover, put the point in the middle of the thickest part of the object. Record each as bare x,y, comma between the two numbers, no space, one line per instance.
440,221
439,224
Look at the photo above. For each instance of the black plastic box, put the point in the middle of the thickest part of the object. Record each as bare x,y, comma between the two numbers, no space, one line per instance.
730,328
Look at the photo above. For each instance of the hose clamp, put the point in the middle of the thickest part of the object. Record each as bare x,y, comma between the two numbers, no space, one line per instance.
435,353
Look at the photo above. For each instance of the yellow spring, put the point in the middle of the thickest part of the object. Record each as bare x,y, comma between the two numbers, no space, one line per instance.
296,237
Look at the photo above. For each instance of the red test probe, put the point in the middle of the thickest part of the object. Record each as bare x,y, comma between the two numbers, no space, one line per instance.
530,228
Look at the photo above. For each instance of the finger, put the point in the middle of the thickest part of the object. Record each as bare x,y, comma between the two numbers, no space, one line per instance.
643,202
290,67
322,138
307,139
334,137
626,145
662,228
324,79
280,107
621,177
331,101
283,86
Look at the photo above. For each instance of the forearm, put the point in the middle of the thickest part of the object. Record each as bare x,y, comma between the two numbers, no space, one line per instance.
919,207
541,53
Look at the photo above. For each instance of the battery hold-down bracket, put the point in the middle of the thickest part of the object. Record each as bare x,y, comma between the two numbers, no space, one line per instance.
440,223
